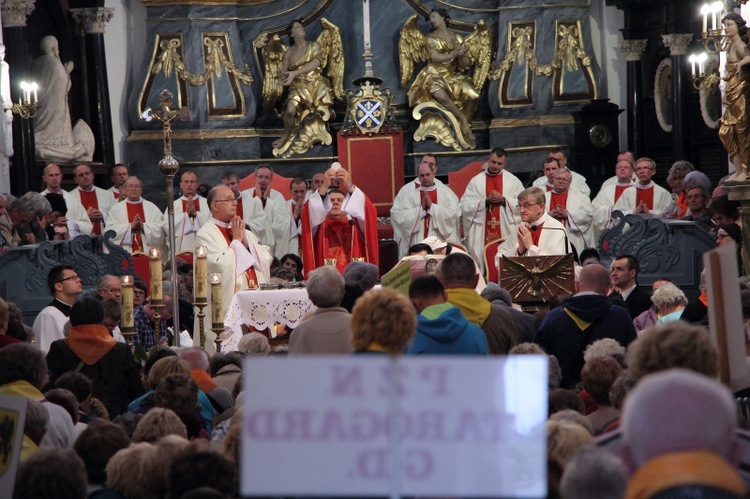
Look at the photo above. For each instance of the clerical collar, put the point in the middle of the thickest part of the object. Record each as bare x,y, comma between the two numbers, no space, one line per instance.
219,223
140,200
539,221
423,188
487,171
61,306
563,192
59,191
90,189
624,184
647,186
195,196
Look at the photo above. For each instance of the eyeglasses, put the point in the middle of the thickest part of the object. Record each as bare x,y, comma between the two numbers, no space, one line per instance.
526,206
139,293
225,200
71,278
722,236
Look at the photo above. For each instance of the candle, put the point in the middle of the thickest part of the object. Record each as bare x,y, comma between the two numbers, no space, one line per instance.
127,303
691,59
35,88
201,274
366,21
155,269
704,12
217,318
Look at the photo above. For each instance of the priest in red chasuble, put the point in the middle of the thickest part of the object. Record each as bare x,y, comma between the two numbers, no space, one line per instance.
338,225
190,214
538,233
572,209
138,223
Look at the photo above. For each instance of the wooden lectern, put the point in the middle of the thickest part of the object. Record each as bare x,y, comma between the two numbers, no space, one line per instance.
533,280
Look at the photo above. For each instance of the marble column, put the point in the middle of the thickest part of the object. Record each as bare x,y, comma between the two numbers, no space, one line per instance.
93,21
678,43
14,14
633,50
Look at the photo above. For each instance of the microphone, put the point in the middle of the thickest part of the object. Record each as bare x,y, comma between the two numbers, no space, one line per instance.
565,234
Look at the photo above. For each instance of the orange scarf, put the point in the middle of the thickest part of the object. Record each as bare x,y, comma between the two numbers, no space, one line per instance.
684,468
704,298
205,383
90,342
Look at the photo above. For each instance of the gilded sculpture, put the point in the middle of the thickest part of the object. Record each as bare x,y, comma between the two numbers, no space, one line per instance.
299,69
444,94
734,131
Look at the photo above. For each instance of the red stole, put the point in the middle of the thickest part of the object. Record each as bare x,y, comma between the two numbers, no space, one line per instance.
250,275
548,187
89,200
682,203
240,209
559,199
116,194
196,203
535,234
619,189
433,197
492,226
133,210
646,196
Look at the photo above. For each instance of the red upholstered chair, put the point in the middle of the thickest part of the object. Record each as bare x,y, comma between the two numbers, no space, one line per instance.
278,182
458,180
141,268
459,246
490,250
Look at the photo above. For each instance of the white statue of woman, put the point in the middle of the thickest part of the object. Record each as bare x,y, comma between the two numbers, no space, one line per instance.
54,136
6,122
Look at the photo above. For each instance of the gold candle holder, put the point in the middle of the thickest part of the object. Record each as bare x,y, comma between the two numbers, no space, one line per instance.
330,261
155,271
217,318
127,318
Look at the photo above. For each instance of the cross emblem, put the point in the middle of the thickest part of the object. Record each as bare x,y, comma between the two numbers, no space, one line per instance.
368,112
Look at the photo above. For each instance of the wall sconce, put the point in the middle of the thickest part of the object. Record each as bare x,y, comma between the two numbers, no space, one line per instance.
702,80
28,104
714,39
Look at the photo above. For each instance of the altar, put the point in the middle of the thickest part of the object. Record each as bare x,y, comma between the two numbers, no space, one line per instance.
262,309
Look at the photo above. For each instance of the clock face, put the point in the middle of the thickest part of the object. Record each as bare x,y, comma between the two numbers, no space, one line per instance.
600,135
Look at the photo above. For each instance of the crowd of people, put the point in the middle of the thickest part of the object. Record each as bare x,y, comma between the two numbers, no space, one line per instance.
631,370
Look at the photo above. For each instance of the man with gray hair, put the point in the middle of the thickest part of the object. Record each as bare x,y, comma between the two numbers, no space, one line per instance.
109,286
678,428
197,359
137,222
594,472
20,213
328,331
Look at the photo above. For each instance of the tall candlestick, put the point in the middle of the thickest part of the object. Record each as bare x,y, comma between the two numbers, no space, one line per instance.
127,313
155,270
201,274
217,318
366,21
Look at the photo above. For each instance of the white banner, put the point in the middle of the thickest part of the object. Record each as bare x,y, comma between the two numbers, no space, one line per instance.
376,425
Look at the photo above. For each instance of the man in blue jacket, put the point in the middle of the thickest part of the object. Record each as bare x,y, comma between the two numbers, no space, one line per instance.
441,328
581,320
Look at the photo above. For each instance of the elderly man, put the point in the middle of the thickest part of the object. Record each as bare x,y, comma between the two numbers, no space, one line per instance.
667,440
328,331
137,222
487,205
315,182
249,208
646,196
425,207
277,211
441,328
24,374
339,226
610,193
95,201
65,286
697,202
557,156
670,302
20,213
538,234
458,275
190,214
117,174
233,251
581,320
109,286
572,209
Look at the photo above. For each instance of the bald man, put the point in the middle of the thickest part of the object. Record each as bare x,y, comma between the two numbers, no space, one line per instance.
95,201
582,319
137,222
53,178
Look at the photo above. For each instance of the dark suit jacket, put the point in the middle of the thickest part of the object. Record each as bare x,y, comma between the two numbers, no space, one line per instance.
638,302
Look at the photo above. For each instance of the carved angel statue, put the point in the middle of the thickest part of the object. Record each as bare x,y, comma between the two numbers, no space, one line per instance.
444,95
310,94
